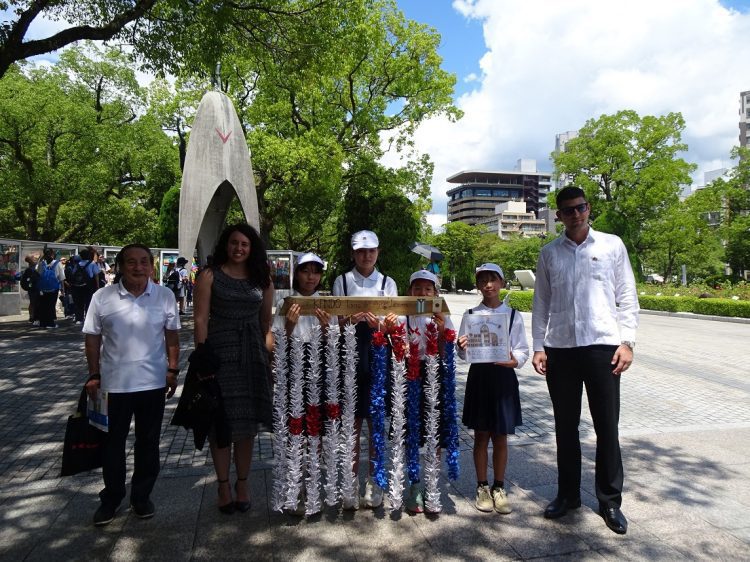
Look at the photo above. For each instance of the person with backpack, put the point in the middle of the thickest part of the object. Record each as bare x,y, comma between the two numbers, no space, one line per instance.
184,279
30,284
78,281
51,278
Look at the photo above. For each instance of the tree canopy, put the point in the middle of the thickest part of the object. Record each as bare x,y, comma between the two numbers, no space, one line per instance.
630,168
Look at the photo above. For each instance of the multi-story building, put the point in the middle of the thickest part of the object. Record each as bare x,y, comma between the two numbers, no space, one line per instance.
745,118
479,191
512,219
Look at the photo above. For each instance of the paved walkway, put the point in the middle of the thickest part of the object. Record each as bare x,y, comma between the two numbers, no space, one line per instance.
685,425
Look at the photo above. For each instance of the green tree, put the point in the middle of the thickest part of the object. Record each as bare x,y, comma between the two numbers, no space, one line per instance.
375,202
458,243
165,34
684,235
72,158
512,255
630,169
736,213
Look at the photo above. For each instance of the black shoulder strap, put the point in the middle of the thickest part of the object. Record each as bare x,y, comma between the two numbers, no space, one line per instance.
343,281
385,278
471,311
512,316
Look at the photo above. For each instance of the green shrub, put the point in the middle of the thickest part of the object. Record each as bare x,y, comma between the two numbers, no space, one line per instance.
722,307
666,304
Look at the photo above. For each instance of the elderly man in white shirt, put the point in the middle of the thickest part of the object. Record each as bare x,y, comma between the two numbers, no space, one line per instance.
132,351
583,325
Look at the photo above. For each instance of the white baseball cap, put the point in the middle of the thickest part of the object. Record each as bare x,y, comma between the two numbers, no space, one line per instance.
423,274
490,267
309,257
364,239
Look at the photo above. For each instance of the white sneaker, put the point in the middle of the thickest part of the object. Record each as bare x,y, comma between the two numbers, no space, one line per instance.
484,500
373,497
500,499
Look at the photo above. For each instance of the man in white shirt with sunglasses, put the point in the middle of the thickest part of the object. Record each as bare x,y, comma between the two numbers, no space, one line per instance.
583,324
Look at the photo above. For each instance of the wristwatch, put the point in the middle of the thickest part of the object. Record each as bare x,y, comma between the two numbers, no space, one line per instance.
630,344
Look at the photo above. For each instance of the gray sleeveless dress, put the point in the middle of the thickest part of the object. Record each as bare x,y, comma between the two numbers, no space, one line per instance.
235,335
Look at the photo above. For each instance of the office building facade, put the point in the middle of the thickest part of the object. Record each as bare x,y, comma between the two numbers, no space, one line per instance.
478,191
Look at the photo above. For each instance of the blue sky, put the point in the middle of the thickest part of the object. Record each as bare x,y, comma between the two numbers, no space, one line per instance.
527,70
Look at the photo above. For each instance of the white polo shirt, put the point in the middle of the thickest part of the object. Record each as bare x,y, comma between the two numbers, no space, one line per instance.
133,353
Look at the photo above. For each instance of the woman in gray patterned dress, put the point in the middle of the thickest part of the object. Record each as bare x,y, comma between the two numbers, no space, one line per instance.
233,312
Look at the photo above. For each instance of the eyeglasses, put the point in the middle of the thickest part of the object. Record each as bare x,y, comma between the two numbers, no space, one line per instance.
570,211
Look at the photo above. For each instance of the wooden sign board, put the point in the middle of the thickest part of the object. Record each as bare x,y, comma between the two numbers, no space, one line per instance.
380,306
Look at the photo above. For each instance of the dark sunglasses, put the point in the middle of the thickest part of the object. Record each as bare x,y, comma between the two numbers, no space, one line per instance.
569,211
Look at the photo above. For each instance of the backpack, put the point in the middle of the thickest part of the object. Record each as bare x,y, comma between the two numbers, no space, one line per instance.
30,279
48,280
79,277
173,281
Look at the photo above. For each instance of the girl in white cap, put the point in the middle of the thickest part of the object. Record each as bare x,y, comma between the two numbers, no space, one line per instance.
492,404
306,282
364,280
423,283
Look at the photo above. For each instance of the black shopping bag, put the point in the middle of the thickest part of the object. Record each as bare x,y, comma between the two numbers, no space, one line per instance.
84,444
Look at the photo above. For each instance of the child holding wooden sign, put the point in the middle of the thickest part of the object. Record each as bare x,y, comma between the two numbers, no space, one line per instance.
492,404
364,280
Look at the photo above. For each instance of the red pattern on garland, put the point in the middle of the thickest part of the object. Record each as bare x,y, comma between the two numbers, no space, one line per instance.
398,341
333,411
295,425
412,370
313,420
432,339
378,339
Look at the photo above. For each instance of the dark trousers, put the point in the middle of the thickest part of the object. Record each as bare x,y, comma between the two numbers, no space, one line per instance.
45,306
568,370
81,297
148,409
33,305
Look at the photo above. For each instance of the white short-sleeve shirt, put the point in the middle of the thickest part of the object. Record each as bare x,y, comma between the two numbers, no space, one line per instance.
304,323
133,355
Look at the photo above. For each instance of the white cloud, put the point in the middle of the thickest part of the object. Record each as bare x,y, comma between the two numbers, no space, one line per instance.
471,77
550,66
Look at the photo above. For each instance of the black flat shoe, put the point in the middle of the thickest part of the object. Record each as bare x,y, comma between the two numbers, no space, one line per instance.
560,506
241,506
227,508
614,519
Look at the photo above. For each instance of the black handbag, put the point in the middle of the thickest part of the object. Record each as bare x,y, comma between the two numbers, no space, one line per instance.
83,449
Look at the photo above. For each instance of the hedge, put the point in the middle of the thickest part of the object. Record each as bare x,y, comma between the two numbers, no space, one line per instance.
521,300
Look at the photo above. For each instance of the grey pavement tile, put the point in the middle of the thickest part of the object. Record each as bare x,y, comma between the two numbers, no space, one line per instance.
718,545
640,551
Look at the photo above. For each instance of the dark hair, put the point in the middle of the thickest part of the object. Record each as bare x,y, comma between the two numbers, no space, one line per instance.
85,254
568,193
317,266
120,258
258,270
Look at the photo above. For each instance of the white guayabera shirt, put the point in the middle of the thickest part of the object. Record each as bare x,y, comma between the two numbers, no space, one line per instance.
584,293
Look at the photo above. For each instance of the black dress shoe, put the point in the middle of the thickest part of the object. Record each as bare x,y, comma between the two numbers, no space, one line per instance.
614,519
560,506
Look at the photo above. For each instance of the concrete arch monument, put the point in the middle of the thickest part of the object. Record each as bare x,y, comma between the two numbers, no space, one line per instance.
217,167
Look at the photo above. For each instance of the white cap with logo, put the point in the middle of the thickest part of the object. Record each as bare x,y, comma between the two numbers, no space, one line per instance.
490,267
364,239
309,257
423,274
